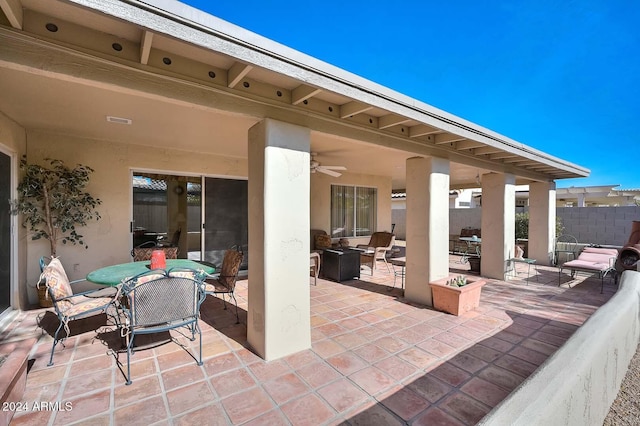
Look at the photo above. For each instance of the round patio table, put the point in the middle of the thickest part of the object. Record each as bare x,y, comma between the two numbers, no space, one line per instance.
115,274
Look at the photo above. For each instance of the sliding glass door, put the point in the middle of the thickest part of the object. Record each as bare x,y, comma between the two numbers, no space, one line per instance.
5,232
167,211
226,221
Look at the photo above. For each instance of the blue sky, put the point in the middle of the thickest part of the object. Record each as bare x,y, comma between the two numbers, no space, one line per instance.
560,76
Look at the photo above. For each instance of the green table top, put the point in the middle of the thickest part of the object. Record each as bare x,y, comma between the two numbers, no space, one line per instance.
114,274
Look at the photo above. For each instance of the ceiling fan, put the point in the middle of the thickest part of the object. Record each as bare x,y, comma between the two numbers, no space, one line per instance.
329,170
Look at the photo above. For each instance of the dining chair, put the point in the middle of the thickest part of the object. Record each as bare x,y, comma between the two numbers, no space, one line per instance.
159,301
69,306
225,282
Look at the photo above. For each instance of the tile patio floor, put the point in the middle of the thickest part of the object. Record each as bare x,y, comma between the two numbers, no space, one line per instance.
375,359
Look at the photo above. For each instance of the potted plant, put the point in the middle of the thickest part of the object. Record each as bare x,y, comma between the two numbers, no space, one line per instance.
457,294
54,204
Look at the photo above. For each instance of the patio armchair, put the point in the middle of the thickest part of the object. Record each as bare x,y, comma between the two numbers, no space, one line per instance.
69,306
159,301
225,282
379,244
320,241
314,266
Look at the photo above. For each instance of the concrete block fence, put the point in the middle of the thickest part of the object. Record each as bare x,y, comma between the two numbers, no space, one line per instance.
590,225
580,381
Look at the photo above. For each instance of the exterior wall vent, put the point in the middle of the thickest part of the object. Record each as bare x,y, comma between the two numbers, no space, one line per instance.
118,120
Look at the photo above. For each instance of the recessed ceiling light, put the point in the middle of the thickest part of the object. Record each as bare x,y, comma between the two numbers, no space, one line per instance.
118,120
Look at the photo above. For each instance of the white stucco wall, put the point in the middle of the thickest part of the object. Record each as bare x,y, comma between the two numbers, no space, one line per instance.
580,381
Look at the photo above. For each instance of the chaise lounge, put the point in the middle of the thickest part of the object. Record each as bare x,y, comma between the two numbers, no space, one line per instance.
593,260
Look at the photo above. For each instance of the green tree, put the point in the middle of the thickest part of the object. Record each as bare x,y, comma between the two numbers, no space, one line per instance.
53,202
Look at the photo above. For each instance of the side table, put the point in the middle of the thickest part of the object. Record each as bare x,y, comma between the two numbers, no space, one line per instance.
512,262
341,264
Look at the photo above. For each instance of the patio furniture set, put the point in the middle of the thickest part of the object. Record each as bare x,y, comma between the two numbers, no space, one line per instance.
141,300
339,261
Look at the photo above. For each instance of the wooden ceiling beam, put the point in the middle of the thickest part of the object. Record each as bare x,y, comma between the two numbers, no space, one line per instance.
236,73
145,46
445,138
488,150
353,108
422,130
13,11
391,120
302,93
469,144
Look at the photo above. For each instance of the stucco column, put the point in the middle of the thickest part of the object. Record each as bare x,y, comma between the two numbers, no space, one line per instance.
498,223
427,226
278,322
542,221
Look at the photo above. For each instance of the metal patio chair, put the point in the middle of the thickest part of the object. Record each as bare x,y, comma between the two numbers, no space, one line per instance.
159,301
225,282
566,245
69,306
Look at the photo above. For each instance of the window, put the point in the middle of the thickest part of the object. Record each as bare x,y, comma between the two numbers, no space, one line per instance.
353,211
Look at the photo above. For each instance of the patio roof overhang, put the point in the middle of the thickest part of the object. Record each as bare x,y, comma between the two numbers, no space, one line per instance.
180,74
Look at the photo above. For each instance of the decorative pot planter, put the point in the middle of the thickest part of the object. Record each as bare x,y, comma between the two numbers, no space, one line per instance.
474,264
457,300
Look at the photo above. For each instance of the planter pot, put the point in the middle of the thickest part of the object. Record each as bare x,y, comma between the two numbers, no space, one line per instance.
457,300
43,296
474,264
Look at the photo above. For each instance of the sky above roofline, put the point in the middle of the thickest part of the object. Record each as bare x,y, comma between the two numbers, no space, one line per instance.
557,76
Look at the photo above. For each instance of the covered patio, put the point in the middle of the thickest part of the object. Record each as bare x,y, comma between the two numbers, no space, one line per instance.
375,358
158,88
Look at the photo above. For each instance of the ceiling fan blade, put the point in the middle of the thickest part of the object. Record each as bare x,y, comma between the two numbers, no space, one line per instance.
328,172
335,167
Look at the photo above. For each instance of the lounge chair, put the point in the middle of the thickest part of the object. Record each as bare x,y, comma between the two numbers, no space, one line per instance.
593,260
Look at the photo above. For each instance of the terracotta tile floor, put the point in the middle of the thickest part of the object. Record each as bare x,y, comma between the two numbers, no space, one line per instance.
375,359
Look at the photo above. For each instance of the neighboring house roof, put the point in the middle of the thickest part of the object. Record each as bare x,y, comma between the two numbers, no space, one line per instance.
403,195
179,63
605,195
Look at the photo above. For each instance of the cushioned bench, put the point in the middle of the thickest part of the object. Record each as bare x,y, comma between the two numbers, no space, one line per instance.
594,260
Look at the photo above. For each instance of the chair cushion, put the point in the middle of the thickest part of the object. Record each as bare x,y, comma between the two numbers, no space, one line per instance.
322,242
582,264
57,280
88,304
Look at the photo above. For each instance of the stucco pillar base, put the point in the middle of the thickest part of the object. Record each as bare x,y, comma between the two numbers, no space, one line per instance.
498,223
427,226
278,319
542,221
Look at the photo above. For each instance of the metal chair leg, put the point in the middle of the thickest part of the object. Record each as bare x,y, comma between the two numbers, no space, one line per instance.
55,342
236,302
